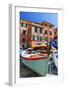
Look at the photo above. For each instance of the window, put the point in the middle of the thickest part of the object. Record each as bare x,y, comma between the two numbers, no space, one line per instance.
50,33
23,24
40,38
40,30
45,32
55,32
45,25
35,29
23,46
23,39
29,31
33,37
24,32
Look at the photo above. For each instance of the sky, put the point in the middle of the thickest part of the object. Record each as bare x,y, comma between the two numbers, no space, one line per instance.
40,17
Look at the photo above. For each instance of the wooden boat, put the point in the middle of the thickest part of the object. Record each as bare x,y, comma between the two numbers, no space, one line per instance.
36,61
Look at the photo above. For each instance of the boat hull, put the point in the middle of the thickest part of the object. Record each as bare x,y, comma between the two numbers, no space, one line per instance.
39,66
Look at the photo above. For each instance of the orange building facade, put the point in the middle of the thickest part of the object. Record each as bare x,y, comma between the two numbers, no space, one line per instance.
25,34
36,34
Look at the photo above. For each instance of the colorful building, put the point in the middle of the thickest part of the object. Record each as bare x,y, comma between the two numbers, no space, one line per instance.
25,34
48,31
36,34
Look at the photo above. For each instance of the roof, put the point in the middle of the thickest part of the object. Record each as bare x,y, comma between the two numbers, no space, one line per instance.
26,21
39,24
47,23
